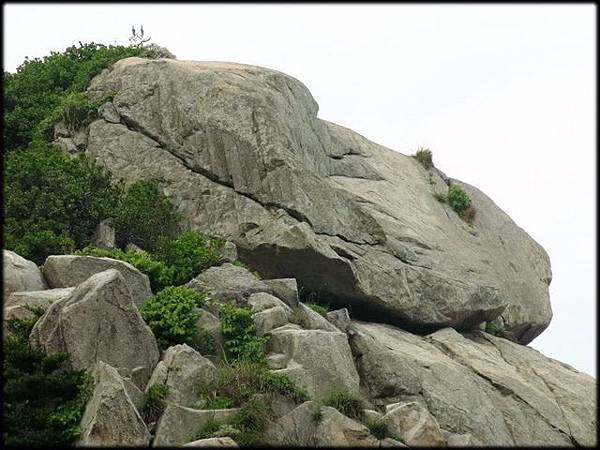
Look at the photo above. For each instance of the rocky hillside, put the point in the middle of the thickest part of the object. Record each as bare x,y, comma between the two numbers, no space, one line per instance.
349,306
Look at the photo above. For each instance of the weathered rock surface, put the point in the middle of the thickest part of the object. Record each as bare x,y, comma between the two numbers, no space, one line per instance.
309,319
499,392
209,335
185,372
42,299
98,322
228,282
179,425
333,429
70,270
104,235
415,425
320,361
20,274
110,418
286,289
213,442
243,153
21,305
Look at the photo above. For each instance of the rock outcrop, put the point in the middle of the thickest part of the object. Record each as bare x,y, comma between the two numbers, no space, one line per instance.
184,371
499,392
20,274
98,321
111,418
242,151
70,270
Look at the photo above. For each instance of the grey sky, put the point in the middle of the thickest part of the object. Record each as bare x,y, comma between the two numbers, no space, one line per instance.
504,95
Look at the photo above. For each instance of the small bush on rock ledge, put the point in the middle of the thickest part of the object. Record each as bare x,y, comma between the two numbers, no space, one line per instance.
154,402
348,404
425,157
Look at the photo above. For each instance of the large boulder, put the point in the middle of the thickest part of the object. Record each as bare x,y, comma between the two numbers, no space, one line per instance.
498,392
70,270
313,425
414,424
319,361
185,372
242,151
179,425
110,418
98,321
41,299
228,282
26,304
20,274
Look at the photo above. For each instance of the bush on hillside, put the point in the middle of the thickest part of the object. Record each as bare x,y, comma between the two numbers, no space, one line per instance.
172,315
43,399
145,216
52,201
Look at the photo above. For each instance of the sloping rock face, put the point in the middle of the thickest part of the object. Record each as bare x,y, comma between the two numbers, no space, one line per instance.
242,151
20,274
489,389
98,321
110,417
70,270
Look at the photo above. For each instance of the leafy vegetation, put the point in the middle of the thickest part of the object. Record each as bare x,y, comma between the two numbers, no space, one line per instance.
238,382
494,328
347,403
172,315
241,342
53,202
154,402
458,199
145,216
191,253
43,399
251,421
425,157
175,262
40,88
322,310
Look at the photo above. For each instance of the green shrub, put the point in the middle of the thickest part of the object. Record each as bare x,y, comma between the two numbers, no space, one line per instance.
379,428
154,402
241,342
192,252
458,199
425,157
37,89
43,399
53,202
159,274
494,328
218,403
346,403
251,421
214,428
145,216
172,315
240,381
322,310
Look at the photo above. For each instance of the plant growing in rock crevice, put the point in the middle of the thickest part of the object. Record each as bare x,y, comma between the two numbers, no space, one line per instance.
425,157
154,402
241,343
347,403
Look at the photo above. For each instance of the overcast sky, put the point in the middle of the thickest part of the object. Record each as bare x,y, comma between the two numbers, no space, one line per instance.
504,95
